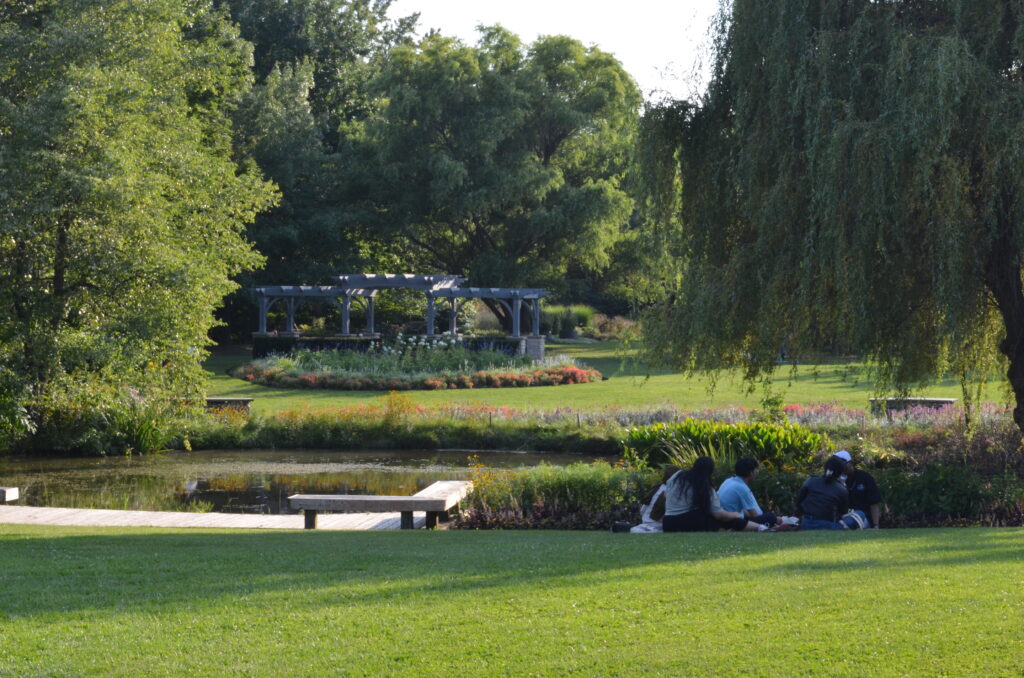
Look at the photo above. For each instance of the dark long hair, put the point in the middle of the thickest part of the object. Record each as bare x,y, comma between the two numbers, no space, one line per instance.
699,480
834,467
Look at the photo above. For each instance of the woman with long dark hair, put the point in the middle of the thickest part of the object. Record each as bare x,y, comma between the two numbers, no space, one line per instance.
691,503
824,502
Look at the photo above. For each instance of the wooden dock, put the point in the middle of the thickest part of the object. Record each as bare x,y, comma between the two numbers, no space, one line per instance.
33,515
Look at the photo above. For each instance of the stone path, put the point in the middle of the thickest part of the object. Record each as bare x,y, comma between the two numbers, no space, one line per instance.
33,515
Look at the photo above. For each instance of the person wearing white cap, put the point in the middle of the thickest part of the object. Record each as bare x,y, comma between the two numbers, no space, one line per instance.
864,494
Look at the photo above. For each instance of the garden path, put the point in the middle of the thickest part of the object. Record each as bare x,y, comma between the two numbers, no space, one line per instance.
34,515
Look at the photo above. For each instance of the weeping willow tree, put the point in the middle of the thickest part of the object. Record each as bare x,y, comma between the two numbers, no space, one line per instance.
852,176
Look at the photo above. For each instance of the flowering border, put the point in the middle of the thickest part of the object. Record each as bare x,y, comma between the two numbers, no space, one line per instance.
546,376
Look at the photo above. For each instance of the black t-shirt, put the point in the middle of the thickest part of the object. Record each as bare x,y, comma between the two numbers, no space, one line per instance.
822,500
863,491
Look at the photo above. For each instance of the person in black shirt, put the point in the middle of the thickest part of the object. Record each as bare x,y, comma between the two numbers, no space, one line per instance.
823,500
863,489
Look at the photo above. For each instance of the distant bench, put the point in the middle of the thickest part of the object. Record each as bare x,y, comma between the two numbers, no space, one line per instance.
436,500
879,405
240,404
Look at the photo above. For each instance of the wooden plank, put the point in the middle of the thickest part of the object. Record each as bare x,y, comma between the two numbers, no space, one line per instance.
365,503
32,515
451,491
439,496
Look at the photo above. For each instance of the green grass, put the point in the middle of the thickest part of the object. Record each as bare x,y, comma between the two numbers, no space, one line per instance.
627,386
137,602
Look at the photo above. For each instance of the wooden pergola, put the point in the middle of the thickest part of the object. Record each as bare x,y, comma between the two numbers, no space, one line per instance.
365,286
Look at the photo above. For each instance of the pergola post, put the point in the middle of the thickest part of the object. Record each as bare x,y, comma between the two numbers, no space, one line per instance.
346,308
264,307
369,315
535,317
517,309
453,324
290,303
430,315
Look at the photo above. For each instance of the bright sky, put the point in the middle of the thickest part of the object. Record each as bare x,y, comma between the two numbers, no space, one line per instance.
663,44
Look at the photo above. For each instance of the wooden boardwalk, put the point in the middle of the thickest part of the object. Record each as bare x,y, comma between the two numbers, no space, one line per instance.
33,515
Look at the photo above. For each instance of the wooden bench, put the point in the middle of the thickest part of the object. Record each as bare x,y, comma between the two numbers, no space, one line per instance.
240,404
888,405
436,500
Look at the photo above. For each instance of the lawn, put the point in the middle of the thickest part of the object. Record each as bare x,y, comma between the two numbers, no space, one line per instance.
134,602
627,386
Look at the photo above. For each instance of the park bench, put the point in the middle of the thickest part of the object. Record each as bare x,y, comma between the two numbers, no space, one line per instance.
240,404
888,405
435,500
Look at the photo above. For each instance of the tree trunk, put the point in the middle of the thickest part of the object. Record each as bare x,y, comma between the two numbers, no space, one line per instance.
1003,278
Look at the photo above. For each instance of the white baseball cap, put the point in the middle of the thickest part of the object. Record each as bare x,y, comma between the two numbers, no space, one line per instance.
844,455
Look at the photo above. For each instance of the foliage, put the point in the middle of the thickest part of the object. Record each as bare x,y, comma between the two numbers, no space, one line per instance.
849,180
552,375
604,328
412,363
123,212
312,64
500,162
578,496
103,419
778,445
563,320
393,423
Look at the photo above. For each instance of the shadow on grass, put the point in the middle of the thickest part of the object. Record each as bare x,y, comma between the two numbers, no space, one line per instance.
156,570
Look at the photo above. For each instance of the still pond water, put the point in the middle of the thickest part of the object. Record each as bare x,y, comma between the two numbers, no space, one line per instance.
242,481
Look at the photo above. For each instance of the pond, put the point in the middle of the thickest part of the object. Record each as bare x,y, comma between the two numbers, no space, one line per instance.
242,481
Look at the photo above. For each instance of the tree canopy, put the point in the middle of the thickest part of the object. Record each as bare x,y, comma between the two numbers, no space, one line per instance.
121,211
852,176
501,162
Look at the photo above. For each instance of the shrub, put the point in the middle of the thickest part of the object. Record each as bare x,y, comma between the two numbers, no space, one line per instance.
592,496
578,496
779,445
547,375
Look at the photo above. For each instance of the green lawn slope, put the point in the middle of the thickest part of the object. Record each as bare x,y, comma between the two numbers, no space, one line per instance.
136,602
628,385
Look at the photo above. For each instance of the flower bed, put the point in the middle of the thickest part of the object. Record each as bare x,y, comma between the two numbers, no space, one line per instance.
543,376
413,363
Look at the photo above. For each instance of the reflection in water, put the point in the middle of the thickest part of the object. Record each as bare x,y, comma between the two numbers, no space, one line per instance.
256,481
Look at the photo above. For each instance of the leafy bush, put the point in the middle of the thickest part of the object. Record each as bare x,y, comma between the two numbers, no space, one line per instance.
565,320
394,422
609,328
592,496
412,363
578,496
96,419
777,445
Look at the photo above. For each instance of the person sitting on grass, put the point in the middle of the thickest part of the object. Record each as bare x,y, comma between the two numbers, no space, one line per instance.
692,505
736,496
654,506
864,494
824,502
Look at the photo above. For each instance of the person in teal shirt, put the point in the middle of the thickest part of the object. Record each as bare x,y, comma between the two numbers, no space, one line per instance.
735,494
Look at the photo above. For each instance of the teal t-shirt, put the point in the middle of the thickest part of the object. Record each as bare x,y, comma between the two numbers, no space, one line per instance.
735,495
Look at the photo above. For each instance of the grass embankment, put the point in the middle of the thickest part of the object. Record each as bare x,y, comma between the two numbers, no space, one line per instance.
627,386
133,602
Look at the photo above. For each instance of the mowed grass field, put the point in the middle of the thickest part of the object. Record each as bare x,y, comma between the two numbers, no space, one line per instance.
141,602
628,385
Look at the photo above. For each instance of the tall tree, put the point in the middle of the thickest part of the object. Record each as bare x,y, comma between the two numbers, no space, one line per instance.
501,162
853,175
122,214
313,62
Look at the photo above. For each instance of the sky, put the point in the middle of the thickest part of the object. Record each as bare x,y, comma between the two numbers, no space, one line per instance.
663,44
